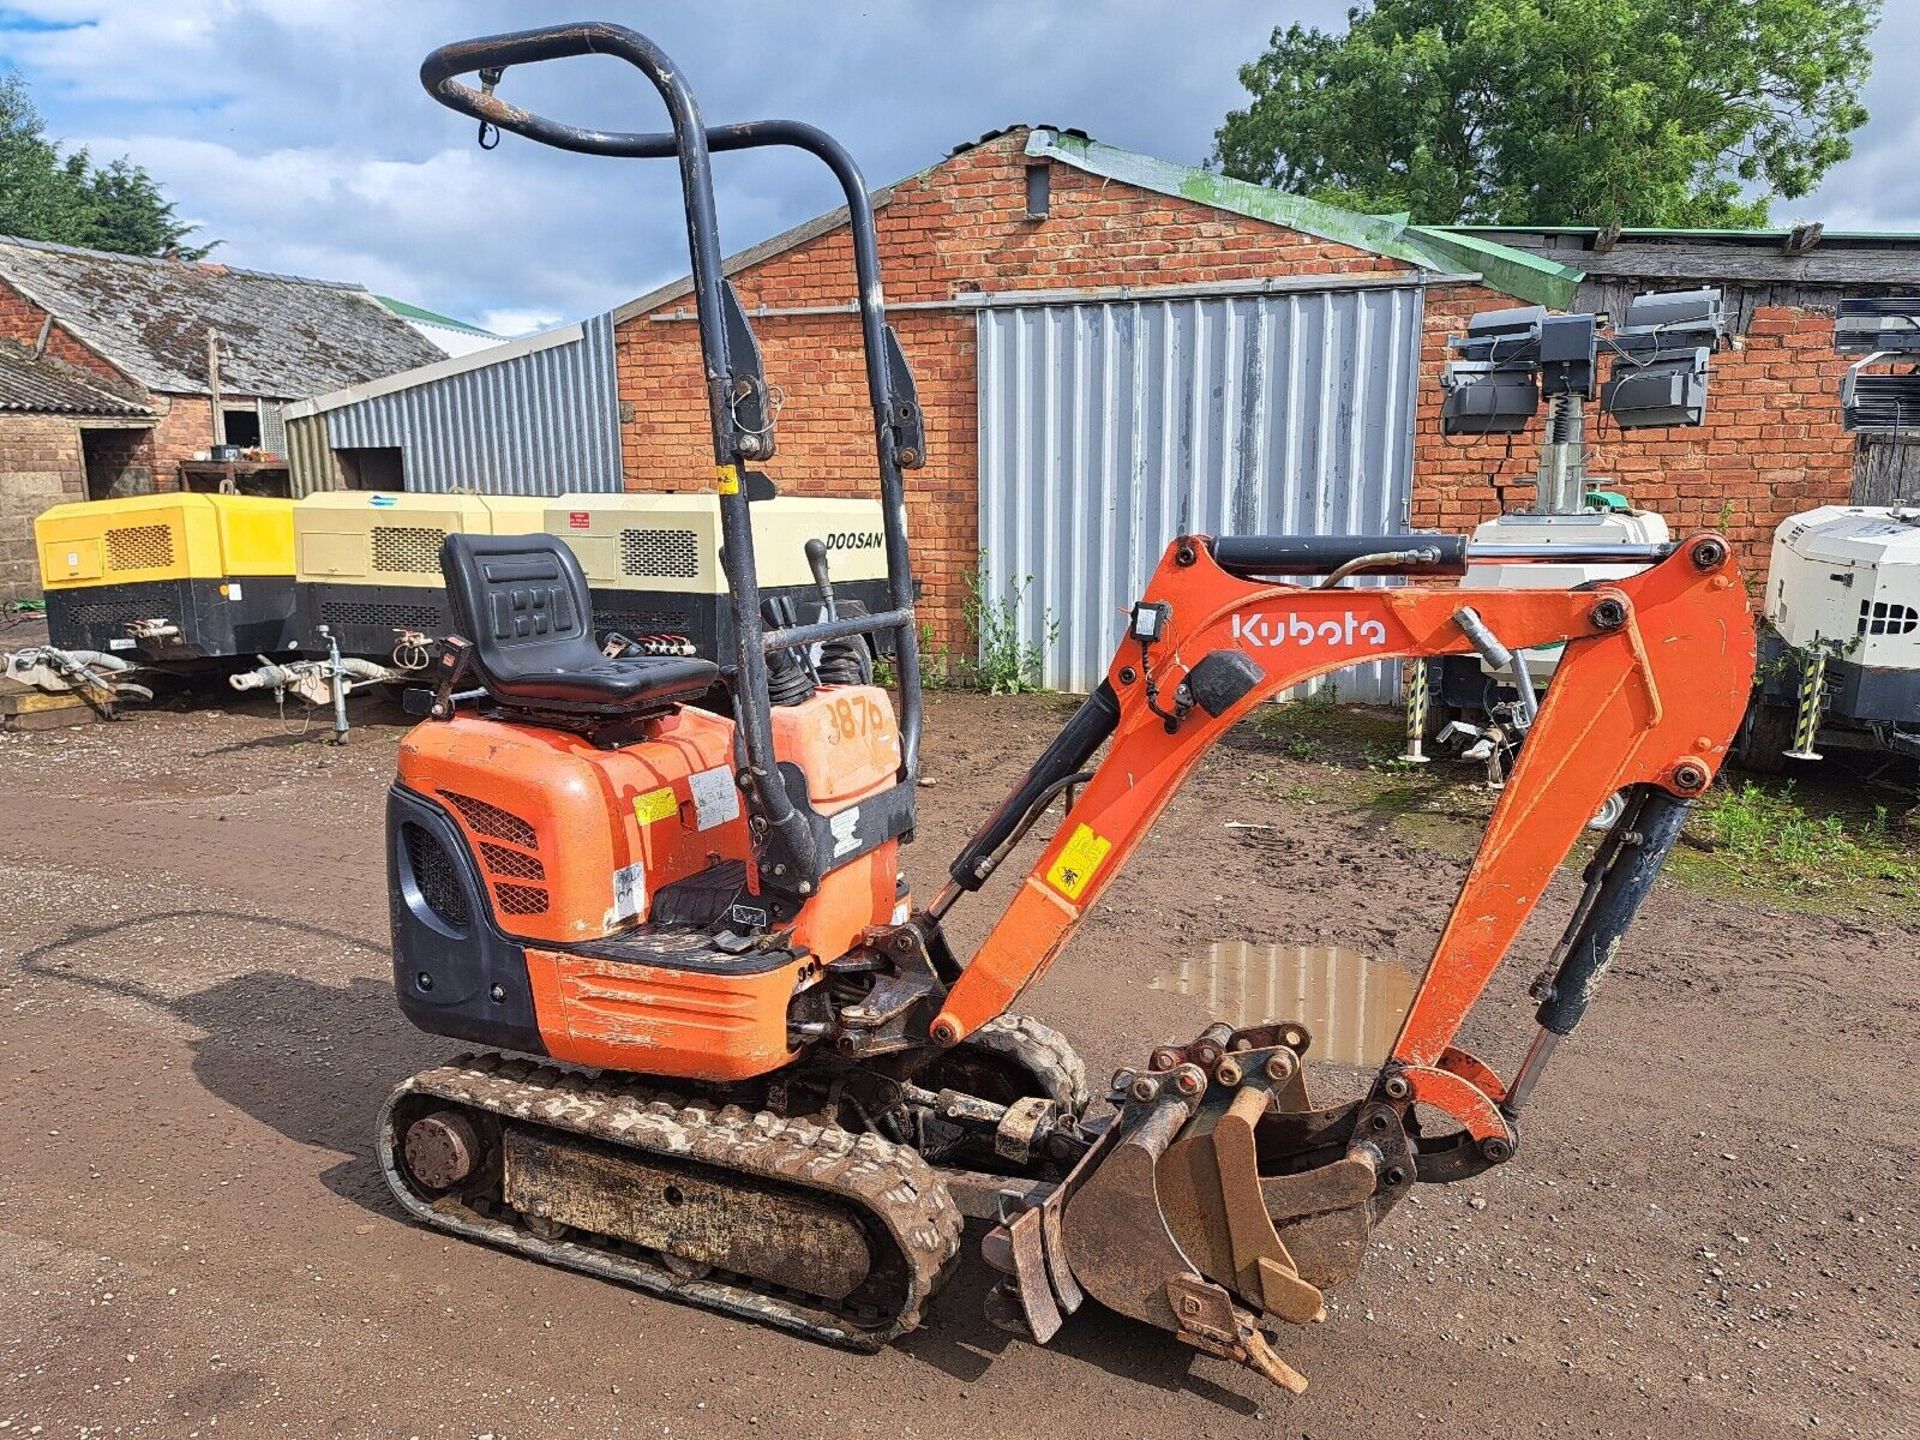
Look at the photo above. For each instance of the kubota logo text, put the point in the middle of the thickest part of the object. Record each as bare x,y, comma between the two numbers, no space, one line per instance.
1273,630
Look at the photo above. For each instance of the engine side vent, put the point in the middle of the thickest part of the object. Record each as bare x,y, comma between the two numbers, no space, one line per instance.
139,547
413,549
1878,617
118,612
520,899
434,872
635,623
485,819
499,860
660,554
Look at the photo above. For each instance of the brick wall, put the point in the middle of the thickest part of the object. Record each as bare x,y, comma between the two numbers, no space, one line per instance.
21,321
40,465
959,228
1772,444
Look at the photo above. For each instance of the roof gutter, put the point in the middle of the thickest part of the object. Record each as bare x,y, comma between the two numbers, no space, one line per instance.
1121,294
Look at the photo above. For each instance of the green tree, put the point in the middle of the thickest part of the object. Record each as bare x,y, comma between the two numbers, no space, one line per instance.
65,198
1558,112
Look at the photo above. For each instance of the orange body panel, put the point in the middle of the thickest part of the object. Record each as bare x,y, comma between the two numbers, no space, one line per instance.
690,1024
575,841
845,742
1652,700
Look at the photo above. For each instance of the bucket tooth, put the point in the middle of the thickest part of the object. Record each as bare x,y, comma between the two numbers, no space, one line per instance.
1210,1321
1211,1200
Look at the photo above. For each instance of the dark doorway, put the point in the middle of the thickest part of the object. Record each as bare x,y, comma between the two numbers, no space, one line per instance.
243,428
372,467
119,462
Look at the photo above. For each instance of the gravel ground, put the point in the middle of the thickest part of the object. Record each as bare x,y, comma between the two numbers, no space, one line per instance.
1711,1229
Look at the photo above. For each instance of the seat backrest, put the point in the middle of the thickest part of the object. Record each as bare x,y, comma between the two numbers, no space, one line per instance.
521,599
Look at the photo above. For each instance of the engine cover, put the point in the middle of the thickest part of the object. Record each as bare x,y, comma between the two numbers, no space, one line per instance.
571,841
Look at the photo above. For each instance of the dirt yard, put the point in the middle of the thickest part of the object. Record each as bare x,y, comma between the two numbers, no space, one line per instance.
1710,1231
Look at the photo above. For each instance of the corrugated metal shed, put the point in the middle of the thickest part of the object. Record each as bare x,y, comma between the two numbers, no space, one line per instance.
1107,429
533,417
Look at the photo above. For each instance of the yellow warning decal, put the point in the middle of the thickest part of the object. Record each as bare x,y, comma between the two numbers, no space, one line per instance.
655,805
1084,855
726,479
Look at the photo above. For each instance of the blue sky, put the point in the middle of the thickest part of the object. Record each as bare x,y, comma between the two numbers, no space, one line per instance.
296,130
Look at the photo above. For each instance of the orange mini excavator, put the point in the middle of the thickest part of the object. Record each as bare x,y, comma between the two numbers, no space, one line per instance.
729,1058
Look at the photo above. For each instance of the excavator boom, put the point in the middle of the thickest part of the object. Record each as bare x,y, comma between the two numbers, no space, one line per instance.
1645,703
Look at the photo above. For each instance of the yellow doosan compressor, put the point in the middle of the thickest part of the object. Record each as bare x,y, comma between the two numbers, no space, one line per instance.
652,562
172,579
368,565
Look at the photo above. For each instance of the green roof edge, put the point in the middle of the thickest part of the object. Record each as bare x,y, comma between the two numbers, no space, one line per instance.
1637,232
1511,271
416,312
1514,272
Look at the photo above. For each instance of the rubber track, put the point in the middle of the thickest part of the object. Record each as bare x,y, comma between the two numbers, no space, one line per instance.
889,1184
1043,1050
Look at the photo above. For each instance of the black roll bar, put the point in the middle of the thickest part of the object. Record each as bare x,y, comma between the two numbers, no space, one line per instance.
690,141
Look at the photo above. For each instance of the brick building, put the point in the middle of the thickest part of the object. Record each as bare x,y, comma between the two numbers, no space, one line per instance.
1034,218
1021,215
104,378
1773,442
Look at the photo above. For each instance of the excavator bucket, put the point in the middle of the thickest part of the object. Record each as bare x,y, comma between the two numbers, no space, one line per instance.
1218,1199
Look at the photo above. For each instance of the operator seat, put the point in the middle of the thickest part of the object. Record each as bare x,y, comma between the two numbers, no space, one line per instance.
522,601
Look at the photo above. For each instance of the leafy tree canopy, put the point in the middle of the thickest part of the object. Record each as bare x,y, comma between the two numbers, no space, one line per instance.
1685,113
67,199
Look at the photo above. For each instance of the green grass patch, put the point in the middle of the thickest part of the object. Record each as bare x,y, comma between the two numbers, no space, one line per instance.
1828,855
1820,847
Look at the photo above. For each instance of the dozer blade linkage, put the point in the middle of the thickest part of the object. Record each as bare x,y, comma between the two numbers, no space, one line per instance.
1216,1200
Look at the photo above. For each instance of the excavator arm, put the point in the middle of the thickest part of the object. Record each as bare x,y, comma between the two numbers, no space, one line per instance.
1648,695
1219,1183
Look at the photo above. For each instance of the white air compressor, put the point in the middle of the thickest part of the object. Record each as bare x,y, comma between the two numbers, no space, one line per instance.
1840,649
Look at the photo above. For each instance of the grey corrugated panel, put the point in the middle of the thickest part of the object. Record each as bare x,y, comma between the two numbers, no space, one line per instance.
1107,429
309,462
273,426
538,424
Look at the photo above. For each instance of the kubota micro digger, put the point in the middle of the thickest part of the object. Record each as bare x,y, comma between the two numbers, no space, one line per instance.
748,1070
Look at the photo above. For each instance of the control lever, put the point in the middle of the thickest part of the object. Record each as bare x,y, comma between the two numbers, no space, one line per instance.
816,549
840,662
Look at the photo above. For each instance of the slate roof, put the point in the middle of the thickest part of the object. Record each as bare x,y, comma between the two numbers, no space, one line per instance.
48,387
286,337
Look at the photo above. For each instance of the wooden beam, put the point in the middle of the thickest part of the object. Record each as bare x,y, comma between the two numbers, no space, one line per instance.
1830,265
1803,238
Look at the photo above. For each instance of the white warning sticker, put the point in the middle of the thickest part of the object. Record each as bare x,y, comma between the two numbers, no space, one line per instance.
629,892
845,828
716,799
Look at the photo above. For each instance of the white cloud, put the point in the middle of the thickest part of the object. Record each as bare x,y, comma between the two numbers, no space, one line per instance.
515,323
296,130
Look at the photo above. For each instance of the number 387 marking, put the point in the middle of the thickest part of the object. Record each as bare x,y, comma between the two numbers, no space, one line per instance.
852,716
